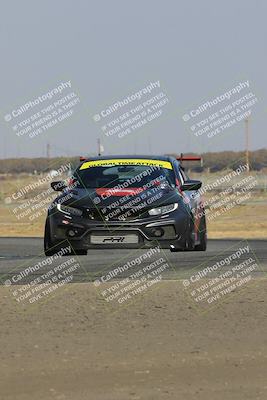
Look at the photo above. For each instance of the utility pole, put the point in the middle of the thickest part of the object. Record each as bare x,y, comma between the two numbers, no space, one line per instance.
98,147
48,148
247,142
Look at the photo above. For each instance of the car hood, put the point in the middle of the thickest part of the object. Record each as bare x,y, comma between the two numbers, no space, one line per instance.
120,198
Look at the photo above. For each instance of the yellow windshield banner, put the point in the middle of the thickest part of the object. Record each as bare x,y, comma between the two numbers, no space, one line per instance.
130,161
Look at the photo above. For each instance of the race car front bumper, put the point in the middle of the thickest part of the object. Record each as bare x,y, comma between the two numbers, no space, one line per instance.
86,234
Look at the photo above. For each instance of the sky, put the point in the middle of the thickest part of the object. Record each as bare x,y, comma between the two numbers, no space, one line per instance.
110,50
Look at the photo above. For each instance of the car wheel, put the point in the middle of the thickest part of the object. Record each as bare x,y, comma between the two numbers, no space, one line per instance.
190,240
48,247
202,246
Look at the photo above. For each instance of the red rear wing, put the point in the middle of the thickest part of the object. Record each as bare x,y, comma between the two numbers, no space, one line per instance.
190,158
181,158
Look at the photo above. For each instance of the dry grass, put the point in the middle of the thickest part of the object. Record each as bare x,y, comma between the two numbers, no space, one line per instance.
10,226
247,221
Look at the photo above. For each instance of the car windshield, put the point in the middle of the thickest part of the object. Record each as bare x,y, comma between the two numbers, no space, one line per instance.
124,176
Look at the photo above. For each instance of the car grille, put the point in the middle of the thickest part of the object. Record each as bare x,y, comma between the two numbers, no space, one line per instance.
115,214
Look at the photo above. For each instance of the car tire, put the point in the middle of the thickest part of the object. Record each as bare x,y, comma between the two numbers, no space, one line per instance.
48,246
202,246
190,239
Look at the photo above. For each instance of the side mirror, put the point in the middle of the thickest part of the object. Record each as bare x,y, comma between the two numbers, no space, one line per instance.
191,184
58,186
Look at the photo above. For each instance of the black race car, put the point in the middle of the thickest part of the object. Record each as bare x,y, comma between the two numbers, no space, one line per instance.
127,202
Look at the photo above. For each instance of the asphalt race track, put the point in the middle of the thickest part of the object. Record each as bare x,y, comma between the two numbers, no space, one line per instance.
18,253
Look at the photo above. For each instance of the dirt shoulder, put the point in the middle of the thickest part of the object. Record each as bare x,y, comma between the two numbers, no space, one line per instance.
73,347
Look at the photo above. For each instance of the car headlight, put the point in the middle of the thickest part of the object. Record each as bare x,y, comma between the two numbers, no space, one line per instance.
163,209
69,210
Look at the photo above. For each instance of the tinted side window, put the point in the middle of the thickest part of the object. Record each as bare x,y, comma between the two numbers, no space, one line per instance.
177,171
184,175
